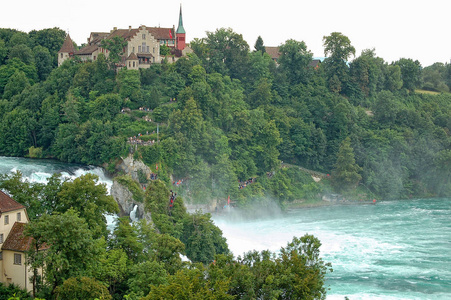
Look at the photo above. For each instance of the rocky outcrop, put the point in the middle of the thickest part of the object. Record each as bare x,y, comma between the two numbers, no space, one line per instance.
131,166
124,199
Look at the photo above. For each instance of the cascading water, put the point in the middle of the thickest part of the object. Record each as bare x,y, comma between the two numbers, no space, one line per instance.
133,214
391,250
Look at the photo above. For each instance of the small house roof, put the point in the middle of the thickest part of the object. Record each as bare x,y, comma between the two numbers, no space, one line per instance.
273,52
132,56
16,241
162,33
68,46
8,204
87,50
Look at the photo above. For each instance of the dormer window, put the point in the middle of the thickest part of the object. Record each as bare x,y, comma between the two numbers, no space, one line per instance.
144,36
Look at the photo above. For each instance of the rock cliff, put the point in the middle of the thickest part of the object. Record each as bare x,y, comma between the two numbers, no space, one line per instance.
124,198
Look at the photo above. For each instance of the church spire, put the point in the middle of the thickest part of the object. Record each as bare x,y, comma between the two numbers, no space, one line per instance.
180,28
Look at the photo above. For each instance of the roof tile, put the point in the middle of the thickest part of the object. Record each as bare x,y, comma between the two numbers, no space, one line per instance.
8,204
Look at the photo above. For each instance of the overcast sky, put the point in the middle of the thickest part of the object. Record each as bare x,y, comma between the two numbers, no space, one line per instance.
394,28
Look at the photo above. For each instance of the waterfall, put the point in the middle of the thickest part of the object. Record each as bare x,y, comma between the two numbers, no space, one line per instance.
133,214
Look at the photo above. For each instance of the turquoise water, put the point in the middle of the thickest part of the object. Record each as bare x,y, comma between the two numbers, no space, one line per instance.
391,250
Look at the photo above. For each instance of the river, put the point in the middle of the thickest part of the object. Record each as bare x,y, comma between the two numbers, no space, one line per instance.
392,250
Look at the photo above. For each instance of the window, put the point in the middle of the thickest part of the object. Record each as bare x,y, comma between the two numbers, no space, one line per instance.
61,55
1,238
139,49
19,217
133,50
153,49
6,220
144,36
1,255
17,258
148,49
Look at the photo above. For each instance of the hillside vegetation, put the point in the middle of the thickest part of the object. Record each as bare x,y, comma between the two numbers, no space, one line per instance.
228,114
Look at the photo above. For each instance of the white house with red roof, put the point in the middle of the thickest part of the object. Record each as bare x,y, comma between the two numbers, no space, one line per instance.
13,244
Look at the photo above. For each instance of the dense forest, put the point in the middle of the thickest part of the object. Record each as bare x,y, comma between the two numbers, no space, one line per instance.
228,113
214,121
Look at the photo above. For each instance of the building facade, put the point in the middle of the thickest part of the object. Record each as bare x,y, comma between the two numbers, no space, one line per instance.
142,49
13,244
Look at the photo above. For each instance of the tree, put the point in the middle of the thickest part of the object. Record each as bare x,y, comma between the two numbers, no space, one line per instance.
228,52
71,252
294,60
410,73
43,61
259,46
22,52
128,82
125,237
346,175
82,288
17,132
338,48
202,238
16,84
90,200
115,48
50,38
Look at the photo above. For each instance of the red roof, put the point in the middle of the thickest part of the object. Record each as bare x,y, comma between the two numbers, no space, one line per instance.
161,33
87,50
8,204
16,241
273,52
68,46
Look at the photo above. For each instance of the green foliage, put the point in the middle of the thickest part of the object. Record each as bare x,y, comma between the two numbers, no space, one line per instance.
82,288
346,173
71,249
202,238
132,186
90,199
13,292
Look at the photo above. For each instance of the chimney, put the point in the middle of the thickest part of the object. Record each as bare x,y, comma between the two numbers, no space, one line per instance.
129,28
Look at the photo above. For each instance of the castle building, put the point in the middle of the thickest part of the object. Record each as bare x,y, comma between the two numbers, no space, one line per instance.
13,244
142,49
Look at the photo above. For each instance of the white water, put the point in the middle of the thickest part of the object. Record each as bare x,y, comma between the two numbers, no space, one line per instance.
392,250
40,170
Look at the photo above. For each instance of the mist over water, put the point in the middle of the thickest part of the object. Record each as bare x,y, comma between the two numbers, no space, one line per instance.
391,250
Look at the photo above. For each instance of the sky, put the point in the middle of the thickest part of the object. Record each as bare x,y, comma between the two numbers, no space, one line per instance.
414,29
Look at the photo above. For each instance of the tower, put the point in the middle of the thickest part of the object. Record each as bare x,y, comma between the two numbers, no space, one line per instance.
66,51
180,34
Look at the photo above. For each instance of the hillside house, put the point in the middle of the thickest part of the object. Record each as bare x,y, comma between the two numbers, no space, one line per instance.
13,244
142,49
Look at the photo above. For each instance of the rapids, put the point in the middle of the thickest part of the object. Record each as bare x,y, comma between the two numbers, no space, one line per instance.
392,250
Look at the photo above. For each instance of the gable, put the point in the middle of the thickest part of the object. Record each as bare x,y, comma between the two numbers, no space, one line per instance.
8,204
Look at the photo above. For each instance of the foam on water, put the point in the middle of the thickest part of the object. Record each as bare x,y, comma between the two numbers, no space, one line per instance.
392,250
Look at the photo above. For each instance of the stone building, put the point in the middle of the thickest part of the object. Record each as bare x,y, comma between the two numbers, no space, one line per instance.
142,49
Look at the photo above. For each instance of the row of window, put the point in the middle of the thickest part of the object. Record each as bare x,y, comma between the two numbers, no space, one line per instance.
17,258
19,218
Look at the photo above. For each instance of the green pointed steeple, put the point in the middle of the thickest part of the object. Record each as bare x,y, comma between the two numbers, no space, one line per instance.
180,29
